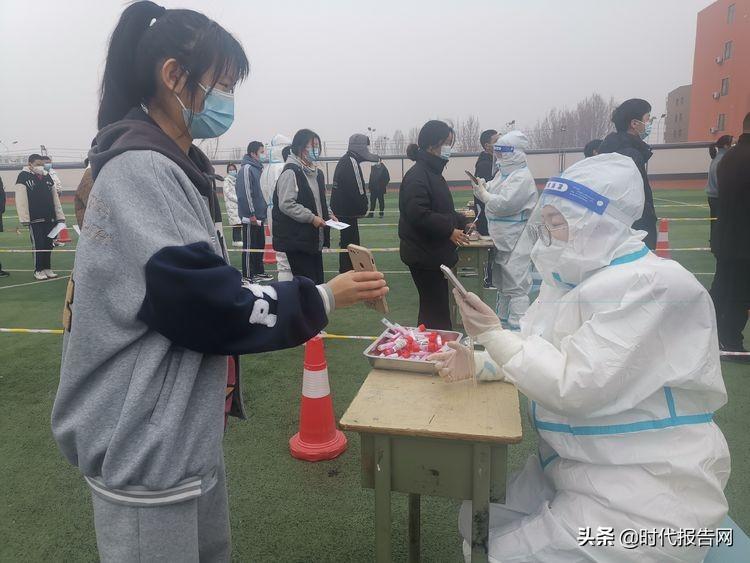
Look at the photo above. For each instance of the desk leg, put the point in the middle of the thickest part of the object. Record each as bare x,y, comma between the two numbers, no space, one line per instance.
382,499
414,528
480,503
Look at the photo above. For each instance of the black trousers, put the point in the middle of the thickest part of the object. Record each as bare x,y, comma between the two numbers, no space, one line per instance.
236,233
434,308
40,241
377,196
307,265
713,213
252,238
348,236
730,292
1,223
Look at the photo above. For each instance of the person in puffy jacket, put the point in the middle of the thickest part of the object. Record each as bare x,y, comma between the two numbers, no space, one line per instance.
230,202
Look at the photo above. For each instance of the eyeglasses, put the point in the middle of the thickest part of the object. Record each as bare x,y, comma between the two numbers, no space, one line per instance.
544,232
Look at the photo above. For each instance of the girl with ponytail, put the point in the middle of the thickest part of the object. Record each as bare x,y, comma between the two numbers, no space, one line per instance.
154,309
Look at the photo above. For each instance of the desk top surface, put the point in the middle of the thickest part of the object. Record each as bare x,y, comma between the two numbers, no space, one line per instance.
478,244
400,403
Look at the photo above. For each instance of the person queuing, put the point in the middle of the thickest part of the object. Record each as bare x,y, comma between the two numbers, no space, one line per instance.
154,309
619,357
3,273
253,210
230,202
429,228
349,193
49,169
39,208
379,180
717,152
484,168
300,209
633,123
508,200
592,148
268,178
731,245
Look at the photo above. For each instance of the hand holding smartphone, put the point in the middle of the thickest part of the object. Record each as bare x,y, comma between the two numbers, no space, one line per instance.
363,261
451,277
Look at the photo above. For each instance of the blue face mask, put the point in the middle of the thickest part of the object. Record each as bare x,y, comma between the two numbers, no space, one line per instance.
445,152
232,173
48,166
215,119
647,127
313,154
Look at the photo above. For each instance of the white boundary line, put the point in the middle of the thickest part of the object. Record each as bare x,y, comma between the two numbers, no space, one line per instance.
33,283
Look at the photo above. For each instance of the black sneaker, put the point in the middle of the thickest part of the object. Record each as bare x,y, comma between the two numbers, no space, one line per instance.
370,215
4,274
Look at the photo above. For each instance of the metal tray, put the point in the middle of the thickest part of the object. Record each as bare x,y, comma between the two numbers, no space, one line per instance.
400,364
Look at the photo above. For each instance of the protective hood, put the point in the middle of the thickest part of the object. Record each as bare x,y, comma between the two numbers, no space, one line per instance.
599,198
510,152
278,143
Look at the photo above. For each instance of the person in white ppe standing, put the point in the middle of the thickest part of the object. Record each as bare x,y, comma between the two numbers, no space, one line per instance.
508,201
619,357
271,172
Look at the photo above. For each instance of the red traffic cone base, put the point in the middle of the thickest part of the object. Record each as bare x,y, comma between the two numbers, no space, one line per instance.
269,254
318,438
64,236
662,240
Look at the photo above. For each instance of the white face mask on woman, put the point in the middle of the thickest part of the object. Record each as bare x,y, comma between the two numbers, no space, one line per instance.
445,152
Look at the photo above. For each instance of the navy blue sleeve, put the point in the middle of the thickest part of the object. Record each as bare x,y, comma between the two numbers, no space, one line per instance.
198,301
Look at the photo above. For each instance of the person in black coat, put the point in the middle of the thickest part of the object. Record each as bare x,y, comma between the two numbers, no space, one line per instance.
485,169
429,227
379,180
632,120
2,210
731,244
349,193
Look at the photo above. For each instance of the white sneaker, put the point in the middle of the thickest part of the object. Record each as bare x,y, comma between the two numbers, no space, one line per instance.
40,276
50,274
236,244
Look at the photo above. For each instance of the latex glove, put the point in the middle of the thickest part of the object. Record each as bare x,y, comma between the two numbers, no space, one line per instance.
477,316
480,190
461,362
455,364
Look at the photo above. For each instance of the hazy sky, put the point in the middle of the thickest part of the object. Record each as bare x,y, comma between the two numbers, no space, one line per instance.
340,66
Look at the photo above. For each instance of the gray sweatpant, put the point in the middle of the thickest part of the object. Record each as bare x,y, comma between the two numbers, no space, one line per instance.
190,531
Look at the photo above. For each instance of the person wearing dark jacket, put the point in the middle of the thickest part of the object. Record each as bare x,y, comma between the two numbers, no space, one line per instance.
38,206
349,193
632,120
3,273
485,169
717,152
429,227
253,210
300,210
379,180
153,309
731,244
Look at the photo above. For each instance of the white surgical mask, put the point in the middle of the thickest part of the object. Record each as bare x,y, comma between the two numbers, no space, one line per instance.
38,170
445,152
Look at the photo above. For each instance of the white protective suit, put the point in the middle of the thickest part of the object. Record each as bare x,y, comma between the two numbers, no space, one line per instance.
271,172
619,358
513,195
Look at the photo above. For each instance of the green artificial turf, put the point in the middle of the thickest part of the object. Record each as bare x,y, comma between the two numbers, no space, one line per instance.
281,509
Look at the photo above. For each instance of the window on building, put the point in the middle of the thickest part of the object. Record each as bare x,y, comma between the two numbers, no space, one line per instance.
721,122
727,50
724,86
730,13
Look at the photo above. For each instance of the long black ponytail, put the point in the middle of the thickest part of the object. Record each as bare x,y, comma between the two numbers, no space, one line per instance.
146,36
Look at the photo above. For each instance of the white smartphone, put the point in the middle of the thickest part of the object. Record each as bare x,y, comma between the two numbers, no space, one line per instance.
363,261
451,277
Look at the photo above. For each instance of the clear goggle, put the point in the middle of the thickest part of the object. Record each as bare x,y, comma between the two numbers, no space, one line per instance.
544,232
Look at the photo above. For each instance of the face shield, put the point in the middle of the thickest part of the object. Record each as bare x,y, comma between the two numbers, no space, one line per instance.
576,230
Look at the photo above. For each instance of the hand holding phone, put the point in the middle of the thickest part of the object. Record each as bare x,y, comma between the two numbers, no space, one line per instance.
471,177
363,261
451,277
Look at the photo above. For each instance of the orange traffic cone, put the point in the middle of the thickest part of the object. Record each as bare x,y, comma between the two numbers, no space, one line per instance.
318,438
269,254
662,240
64,236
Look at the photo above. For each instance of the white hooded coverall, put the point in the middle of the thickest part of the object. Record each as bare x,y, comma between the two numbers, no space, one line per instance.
268,177
513,197
619,359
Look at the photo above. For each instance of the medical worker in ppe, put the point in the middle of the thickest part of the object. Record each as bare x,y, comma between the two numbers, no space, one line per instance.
508,201
619,358
271,172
